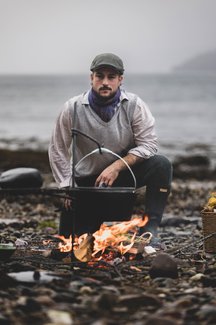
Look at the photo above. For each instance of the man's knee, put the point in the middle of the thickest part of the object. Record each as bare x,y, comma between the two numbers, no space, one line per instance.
164,163
161,161
163,168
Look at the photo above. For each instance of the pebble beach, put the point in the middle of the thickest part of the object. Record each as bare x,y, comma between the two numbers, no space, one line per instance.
87,294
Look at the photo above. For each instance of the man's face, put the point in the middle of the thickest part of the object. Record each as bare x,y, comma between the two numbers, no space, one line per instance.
105,82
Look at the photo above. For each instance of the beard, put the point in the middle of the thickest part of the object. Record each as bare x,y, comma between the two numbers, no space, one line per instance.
104,98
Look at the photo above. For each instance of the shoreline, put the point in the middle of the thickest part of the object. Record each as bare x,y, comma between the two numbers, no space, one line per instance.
190,161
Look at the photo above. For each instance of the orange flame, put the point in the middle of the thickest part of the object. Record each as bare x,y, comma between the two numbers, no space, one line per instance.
115,235
108,236
66,244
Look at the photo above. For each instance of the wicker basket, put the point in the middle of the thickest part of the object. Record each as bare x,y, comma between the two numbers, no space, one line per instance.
209,228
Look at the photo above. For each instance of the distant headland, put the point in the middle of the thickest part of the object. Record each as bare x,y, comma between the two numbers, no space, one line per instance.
205,62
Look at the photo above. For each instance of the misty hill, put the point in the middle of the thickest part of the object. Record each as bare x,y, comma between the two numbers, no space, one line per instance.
205,62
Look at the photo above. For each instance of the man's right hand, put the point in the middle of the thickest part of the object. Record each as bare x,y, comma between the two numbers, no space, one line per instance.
68,204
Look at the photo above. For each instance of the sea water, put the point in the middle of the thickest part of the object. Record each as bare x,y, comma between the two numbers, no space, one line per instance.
184,106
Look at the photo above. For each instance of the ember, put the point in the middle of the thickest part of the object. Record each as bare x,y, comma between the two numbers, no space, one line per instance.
118,237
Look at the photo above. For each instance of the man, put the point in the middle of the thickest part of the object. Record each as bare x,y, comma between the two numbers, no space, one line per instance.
125,125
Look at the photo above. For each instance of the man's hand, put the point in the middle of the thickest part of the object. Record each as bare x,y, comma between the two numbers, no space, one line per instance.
110,174
68,204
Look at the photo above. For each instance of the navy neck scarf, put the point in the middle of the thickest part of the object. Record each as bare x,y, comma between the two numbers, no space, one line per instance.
104,108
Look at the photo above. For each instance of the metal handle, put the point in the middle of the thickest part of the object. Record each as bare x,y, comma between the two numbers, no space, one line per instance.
115,154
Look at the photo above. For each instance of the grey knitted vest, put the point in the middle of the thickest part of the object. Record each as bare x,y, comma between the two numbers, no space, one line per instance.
115,135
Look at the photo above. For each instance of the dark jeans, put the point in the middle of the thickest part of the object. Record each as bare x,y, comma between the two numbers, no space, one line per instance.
155,173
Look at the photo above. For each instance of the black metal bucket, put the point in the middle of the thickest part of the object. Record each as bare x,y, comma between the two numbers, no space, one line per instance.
94,205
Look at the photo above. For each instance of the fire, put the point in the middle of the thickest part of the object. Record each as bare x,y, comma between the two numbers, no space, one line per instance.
119,236
116,235
66,244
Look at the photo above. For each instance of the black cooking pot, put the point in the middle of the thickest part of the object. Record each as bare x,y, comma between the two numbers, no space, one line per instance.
94,205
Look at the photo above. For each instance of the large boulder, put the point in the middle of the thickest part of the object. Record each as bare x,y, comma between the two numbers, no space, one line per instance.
21,178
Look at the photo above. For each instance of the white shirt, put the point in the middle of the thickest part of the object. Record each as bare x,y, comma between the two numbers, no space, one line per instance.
121,135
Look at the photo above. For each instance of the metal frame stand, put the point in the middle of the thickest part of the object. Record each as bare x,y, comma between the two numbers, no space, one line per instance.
75,133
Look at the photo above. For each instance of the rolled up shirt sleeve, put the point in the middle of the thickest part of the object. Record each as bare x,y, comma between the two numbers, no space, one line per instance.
145,137
59,148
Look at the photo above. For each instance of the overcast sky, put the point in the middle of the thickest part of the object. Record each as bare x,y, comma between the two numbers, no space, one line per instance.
63,36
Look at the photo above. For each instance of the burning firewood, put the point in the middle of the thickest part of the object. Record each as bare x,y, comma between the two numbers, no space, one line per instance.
85,250
140,242
119,238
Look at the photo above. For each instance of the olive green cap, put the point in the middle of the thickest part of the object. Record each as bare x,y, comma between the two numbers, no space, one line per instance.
107,60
